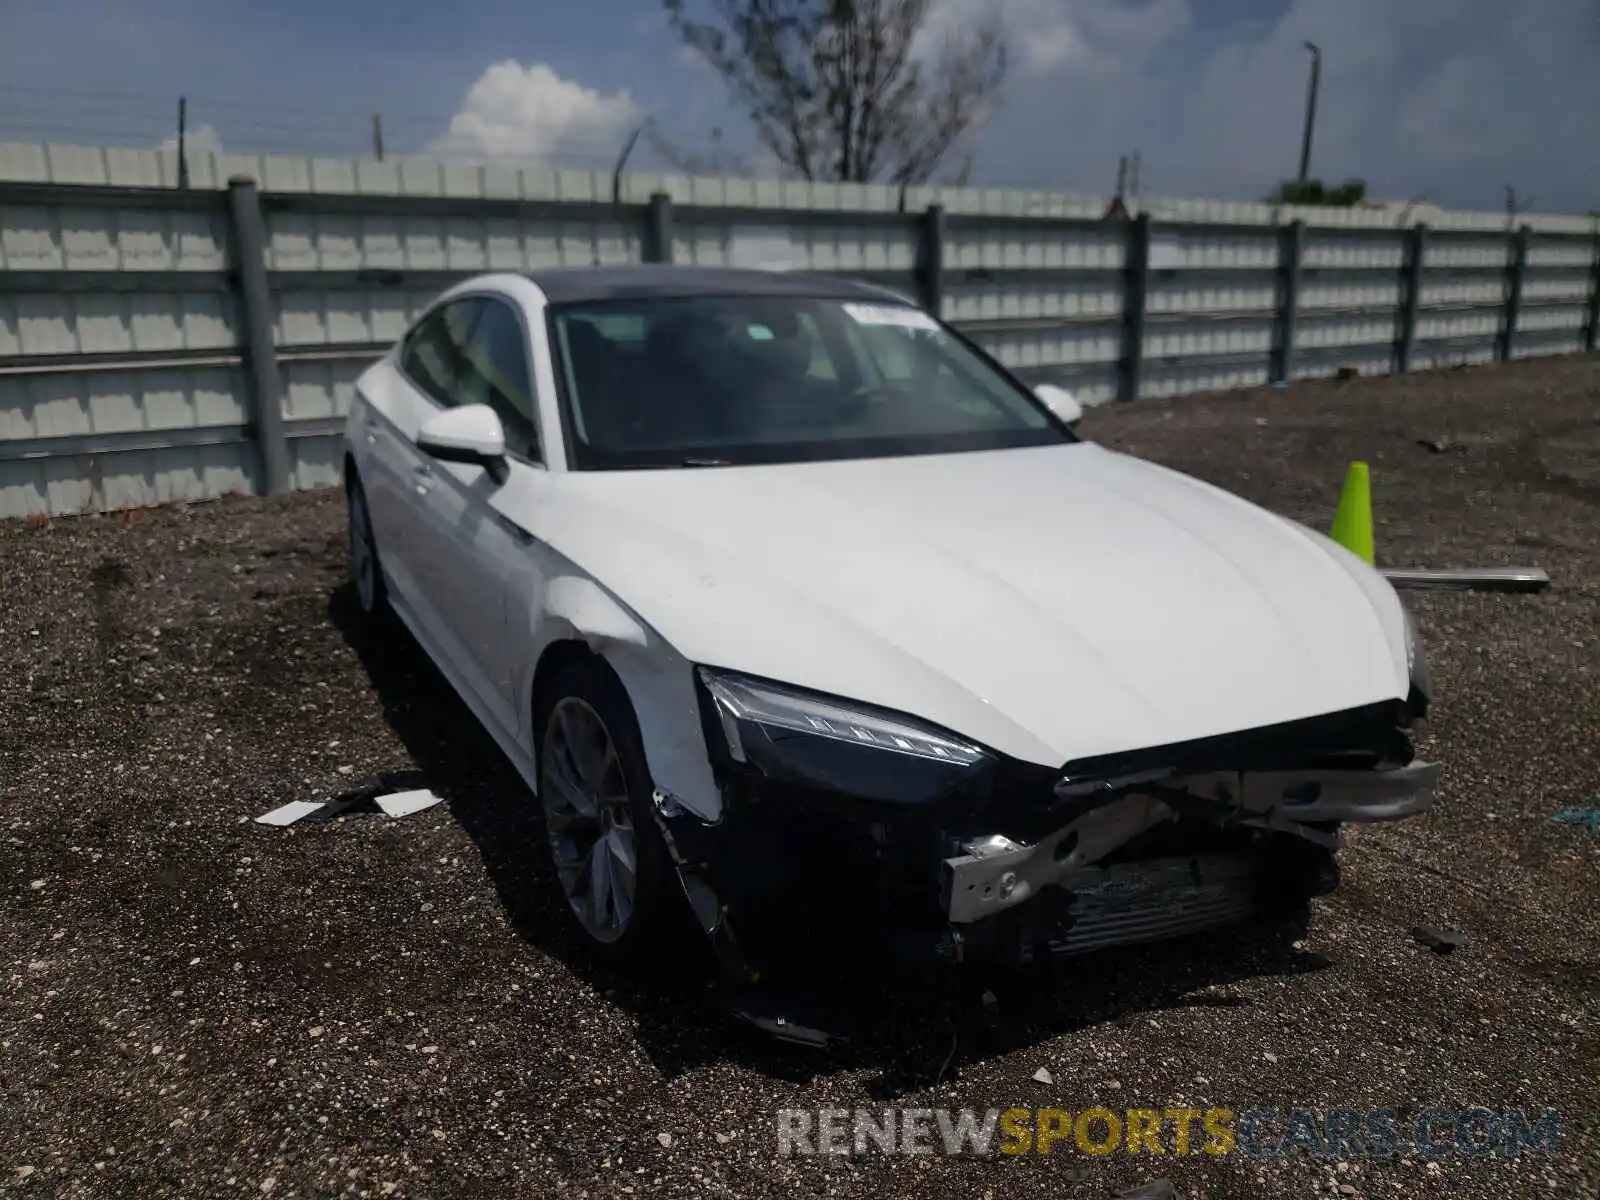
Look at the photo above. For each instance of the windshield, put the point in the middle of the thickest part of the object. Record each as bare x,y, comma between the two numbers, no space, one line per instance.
728,380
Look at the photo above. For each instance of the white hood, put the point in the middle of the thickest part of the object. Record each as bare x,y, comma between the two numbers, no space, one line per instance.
1050,603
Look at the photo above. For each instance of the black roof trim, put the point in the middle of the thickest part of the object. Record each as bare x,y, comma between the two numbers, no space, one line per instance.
567,285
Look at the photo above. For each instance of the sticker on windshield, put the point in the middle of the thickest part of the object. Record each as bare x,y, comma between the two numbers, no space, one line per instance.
890,314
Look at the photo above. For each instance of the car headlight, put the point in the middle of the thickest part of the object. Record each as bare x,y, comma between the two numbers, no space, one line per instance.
1417,666
803,738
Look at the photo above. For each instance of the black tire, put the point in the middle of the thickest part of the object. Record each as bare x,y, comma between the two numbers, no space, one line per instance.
648,931
371,596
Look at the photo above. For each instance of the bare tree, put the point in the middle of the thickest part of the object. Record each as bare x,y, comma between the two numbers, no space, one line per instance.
851,90
716,159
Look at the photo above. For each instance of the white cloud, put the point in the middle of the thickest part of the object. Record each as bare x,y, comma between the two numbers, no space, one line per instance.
1451,97
1039,32
1048,44
1047,36
1459,112
1041,35
202,139
518,112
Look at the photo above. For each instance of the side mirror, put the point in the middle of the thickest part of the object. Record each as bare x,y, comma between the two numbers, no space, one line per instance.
1061,402
470,434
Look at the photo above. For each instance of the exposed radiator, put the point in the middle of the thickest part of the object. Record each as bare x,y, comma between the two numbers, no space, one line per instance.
1159,898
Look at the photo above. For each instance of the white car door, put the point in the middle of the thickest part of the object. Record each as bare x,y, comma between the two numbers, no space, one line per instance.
419,385
477,557
381,457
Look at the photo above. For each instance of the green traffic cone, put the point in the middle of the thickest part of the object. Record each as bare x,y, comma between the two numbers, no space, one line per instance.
1352,523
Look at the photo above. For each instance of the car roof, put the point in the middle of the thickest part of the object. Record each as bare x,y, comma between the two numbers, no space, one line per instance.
567,285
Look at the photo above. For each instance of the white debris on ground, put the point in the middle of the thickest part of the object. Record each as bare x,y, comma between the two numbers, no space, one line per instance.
396,804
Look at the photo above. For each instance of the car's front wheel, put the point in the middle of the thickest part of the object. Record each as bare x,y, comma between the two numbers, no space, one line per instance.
366,576
594,787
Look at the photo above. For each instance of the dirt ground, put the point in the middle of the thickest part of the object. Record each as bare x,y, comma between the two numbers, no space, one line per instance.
195,1005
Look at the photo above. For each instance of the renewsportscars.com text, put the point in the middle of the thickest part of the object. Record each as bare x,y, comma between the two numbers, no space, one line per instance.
1262,1132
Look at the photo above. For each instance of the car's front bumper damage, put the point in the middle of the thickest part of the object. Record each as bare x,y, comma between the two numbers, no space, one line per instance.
1039,864
994,873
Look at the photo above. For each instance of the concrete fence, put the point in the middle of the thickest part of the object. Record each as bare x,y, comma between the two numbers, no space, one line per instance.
159,343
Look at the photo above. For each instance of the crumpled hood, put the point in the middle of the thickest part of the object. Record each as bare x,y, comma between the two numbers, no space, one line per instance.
1051,603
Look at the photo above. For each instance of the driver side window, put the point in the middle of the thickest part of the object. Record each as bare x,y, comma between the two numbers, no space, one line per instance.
433,353
495,372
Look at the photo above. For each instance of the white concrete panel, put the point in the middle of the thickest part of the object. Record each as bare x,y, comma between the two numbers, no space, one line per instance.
1364,331
1013,301
843,248
1576,289
1426,357
79,485
320,388
1369,251
1371,364
1537,320
1574,253
85,402
315,462
23,162
1225,250
81,238
1320,294
1044,347
30,239
1192,339
1183,381
1475,252
1457,325
1192,294
1543,345
1462,291
1016,246
318,318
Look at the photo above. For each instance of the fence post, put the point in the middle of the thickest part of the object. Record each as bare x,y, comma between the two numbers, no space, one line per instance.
1513,308
1135,281
1291,247
260,355
1411,295
658,229
930,259
1591,330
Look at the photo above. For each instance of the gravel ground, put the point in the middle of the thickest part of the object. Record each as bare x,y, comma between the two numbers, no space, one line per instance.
192,1004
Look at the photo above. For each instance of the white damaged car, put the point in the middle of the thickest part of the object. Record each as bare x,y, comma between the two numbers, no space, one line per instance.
786,599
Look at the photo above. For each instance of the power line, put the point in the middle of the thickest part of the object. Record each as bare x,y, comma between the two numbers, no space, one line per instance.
164,101
144,119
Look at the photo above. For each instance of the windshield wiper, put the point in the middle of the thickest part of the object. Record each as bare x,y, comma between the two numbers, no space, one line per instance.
705,462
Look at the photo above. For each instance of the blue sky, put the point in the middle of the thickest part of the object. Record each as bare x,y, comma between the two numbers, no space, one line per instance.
1451,99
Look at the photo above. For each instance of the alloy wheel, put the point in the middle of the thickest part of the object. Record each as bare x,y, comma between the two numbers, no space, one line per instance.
363,554
589,818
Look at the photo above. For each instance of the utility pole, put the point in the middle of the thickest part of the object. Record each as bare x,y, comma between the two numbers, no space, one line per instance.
622,161
377,137
1311,108
183,149
1118,207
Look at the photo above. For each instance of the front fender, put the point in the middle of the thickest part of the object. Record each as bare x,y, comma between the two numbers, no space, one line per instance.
659,682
